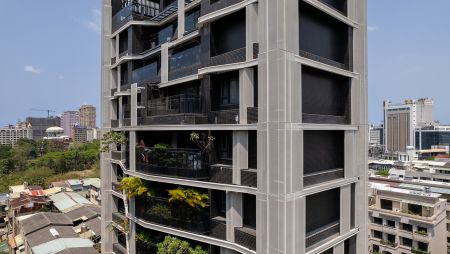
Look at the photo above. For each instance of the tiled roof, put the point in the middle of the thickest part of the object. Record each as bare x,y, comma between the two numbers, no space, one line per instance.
42,220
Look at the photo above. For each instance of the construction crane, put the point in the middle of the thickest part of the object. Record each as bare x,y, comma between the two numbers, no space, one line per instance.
47,110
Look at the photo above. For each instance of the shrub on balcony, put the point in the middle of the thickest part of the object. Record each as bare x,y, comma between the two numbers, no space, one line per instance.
190,196
135,187
172,245
111,138
422,232
202,140
160,210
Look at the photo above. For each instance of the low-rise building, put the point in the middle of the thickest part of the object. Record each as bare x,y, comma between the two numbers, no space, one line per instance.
406,221
9,135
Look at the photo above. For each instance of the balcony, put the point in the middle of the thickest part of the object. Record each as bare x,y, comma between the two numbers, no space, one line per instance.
177,109
234,56
321,234
177,162
180,216
419,251
324,60
184,63
191,22
134,11
246,237
324,176
146,75
252,115
221,173
115,186
389,243
120,221
119,249
219,228
228,116
212,6
249,177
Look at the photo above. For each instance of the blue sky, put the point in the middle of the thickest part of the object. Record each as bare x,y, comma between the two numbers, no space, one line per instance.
51,55
50,52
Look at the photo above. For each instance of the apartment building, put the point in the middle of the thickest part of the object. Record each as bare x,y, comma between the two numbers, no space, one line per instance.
406,221
258,107
9,135
41,124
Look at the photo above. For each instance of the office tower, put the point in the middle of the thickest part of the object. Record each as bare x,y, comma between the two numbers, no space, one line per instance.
400,121
427,137
376,135
41,124
276,93
68,120
87,116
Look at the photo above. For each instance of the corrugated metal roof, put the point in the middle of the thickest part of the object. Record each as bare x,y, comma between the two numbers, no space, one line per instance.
91,181
66,201
74,182
61,244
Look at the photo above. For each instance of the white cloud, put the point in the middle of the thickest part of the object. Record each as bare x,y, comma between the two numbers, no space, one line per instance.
32,69
371,28
95,22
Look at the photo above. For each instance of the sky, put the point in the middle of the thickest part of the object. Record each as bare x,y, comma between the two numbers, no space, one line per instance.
50,57
50,51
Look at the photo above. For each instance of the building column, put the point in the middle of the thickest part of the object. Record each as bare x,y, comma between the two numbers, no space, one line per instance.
245,93
181,19
251,14
132,226
240,154
234,213
345,212
164,62
134,106
132,150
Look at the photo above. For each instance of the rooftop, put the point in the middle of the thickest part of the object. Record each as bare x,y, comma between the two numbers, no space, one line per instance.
386,187
61,244
66,201
42,220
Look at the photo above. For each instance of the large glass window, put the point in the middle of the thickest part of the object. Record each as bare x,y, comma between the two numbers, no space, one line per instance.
228,33
225,90
322,209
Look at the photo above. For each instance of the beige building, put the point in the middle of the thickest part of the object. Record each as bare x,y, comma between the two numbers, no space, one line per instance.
406,221
9,135
400,121
87,116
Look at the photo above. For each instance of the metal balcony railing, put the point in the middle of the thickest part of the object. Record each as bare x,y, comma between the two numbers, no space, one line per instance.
234,56
221,174
252,115
249,177
321,234
175,215
133,10
323,176
219,228
177,104
246,237
178,162
229,116
324,60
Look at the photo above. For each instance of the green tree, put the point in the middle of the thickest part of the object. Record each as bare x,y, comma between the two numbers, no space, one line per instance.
5,152
135,187
190,196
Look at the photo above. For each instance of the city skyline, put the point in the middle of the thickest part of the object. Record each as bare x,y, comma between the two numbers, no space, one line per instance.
396,59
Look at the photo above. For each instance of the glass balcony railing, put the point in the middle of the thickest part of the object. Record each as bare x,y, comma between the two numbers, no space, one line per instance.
191,22
188,57
179,162
144,73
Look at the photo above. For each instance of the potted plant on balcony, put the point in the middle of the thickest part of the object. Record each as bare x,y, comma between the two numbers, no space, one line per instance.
189,204
111,138
204,142
135,187
172,245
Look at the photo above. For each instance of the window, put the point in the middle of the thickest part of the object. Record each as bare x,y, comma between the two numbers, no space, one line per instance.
229,92
225,90
340,5
249,210
415,209
322,209
406,241
350,245
228,33
386,204
390,223
377,234
407,227
378,221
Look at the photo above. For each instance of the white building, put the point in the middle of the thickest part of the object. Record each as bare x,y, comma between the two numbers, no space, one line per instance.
68,120
9,135
400,121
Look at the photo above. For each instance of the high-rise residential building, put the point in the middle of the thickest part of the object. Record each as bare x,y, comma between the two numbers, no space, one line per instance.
258,108
400,121
427,137
9,135
406,221
41,124
68,120
87,116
